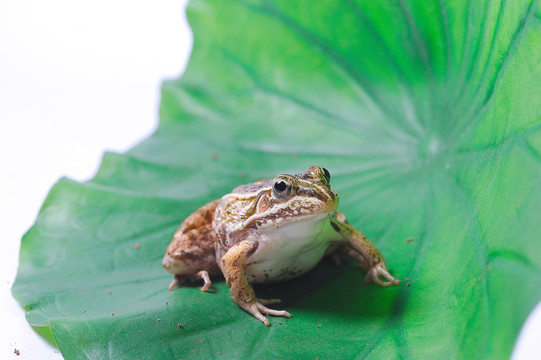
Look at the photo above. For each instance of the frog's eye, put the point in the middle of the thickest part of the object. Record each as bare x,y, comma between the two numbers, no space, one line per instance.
280,188
327,175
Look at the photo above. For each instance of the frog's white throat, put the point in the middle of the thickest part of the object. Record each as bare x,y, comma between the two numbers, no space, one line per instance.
288,250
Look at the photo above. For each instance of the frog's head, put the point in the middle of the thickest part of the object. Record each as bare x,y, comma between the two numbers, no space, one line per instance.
293,198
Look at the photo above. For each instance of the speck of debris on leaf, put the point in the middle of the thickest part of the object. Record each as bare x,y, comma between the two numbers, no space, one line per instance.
136,246
180,325
109,292
279,322
158,319
113,313
17,352
409,284
409,239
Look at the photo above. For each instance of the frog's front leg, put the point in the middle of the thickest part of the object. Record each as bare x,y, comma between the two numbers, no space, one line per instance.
362,249
232,265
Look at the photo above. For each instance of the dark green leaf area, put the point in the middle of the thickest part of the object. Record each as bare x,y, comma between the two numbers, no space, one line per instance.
428,116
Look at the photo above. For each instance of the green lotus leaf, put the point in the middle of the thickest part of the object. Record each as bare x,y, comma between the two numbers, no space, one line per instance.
428,116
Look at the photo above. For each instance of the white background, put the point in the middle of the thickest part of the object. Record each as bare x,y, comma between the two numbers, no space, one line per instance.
76,79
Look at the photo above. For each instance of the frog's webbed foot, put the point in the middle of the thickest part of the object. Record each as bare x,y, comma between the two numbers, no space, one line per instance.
203,275
258,308
376,272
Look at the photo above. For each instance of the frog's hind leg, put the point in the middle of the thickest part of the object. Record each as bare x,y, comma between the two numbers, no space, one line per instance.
191,254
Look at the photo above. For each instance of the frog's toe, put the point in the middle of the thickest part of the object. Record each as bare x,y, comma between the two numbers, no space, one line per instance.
378,271
260,317
173,284
177,279
205,277
257,310
269,301
265,310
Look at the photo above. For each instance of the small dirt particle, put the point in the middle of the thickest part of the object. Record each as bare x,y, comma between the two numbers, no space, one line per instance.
17,352
158,319
136,246
109,292
180,325
409,284
409,239
113,313
279,322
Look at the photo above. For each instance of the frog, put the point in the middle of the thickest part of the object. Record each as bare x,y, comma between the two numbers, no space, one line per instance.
269,231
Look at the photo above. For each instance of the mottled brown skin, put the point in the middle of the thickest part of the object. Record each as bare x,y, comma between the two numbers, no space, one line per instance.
193,245
247,235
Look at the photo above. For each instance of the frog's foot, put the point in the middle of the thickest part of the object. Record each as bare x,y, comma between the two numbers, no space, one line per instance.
177,279
205,277
258,308
201,275
376,272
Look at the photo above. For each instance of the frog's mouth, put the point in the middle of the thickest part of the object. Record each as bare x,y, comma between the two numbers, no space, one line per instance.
281,217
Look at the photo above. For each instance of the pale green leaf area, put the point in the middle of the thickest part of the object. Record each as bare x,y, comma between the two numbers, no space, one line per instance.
426,113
